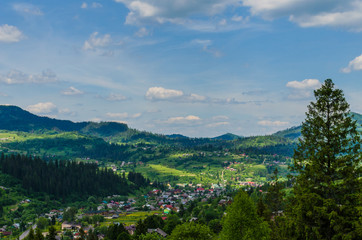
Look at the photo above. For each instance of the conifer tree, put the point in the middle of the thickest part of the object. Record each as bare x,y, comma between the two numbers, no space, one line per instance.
328,162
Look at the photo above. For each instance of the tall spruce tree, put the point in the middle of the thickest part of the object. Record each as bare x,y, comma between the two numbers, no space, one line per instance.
328,187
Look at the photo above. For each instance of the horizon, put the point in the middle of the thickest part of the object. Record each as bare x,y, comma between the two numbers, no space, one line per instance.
198,69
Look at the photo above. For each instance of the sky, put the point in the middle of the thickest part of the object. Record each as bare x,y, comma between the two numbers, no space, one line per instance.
198,68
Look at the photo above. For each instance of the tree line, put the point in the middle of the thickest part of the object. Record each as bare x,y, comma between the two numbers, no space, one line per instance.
62,179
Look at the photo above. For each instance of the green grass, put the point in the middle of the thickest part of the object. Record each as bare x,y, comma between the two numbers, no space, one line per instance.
129,219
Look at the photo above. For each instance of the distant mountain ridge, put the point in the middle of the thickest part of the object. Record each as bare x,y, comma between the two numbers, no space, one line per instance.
294,133
14,118
227,137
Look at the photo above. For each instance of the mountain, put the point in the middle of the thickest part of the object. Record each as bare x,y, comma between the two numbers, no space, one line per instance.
14,118
175,136
227,137
294,133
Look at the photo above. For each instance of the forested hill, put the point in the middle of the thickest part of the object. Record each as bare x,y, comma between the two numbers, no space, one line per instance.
13,118
294,133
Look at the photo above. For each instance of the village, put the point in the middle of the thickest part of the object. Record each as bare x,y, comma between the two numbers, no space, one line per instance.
111,211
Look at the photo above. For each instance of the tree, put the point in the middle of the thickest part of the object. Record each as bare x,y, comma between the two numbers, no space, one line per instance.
191,231
42,223
328,187
242,222
31,234
38,234
52,233
274,197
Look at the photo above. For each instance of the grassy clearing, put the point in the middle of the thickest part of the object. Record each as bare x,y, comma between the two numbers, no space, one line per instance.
170,171
129,219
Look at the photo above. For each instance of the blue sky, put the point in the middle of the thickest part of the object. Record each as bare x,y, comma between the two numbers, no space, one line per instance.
199,68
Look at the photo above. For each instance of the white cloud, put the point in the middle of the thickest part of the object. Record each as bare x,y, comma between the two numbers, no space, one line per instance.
196,98
311,13
93,5
305,84
303,89
223,22
113,97
28,9
160,93
206,43
95,42
3,94
96,5
183,120
42,107
10,34
142,32
217,124
354,65
176,11
72,91
18,77
268,123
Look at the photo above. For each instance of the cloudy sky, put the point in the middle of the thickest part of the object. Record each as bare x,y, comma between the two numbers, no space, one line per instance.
199,68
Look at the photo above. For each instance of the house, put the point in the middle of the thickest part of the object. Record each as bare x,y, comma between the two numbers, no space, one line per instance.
131,229
157,230
70,226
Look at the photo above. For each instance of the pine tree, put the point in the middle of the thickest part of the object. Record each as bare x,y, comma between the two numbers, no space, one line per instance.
327,158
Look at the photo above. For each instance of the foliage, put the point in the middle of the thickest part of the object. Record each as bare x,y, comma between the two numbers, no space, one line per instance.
115,230
242,222
328,187
191,231
42,223
63,179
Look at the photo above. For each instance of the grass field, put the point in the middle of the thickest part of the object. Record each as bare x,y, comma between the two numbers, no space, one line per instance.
129,219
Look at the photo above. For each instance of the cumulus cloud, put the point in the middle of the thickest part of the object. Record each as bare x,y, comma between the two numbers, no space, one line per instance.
96,41
18,77
72,91
311,13
160,93
42,107
302,89
305,84
10,34
84,5
28,9
181,12
183,120
268,123
354,65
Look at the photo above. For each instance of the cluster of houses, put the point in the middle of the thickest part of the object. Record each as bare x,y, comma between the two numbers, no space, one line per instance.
166,201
